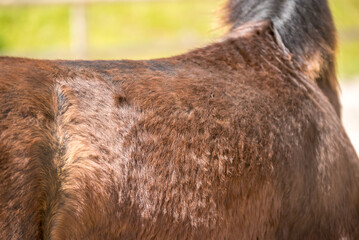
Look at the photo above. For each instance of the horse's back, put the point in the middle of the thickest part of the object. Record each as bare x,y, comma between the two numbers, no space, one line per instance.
27,146
225,142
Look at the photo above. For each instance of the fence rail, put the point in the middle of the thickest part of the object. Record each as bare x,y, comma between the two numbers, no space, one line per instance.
78,17
57,2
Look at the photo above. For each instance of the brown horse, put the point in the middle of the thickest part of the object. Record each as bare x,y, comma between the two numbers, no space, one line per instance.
241,139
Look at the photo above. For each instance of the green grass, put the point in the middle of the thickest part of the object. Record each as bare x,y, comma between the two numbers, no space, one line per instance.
157,29
346,16
345,13
122,30
138,23
35,28
145,30
348,59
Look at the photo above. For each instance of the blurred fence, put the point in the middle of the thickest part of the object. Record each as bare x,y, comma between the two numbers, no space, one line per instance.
78,18
86,36
35,2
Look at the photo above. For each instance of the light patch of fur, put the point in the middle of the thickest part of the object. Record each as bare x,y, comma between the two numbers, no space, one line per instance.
92,149
313,65
246,30
90,125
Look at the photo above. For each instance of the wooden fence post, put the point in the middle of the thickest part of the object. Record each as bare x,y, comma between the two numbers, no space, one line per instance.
78,29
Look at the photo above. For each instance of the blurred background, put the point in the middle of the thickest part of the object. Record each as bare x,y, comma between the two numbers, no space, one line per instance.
143,29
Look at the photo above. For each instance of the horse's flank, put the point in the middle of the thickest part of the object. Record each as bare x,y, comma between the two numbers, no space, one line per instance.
230,141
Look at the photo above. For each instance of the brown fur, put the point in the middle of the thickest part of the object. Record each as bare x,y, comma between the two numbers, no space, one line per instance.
231,141
307,30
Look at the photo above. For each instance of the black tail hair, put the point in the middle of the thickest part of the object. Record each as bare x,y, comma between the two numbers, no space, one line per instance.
307,31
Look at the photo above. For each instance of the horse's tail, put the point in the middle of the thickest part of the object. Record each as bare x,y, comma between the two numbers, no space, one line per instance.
307,31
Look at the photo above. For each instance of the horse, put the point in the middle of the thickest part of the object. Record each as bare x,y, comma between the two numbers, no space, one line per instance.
240,139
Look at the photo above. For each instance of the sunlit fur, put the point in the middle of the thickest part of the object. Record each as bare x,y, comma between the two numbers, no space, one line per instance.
307,30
